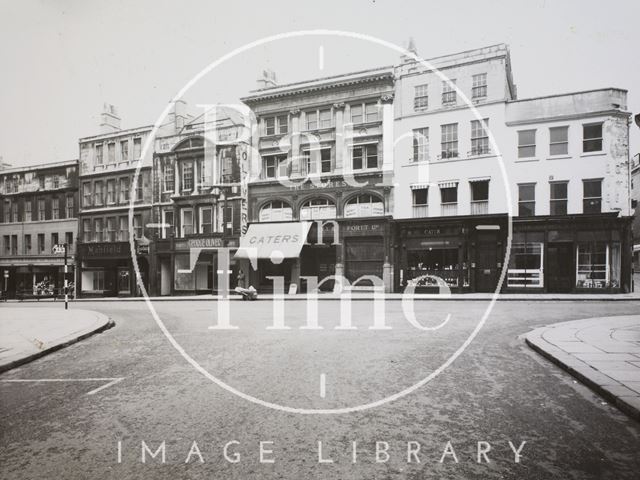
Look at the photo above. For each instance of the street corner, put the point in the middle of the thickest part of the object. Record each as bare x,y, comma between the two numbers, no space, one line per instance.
603,353
29,333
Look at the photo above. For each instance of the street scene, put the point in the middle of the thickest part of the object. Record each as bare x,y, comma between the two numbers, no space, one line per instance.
278,241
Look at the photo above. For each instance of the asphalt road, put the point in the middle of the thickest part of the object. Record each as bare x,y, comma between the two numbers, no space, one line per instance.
496,391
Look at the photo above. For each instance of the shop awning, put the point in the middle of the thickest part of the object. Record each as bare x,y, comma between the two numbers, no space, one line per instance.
282,240
418,186
479,179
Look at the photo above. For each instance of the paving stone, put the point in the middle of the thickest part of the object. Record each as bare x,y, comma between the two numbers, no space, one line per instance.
635,386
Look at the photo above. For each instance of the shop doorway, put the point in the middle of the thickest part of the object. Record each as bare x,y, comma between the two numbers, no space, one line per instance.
364,256
318,261
486,262
560,267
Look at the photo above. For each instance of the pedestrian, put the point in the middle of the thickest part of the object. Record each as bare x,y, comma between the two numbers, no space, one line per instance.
240,278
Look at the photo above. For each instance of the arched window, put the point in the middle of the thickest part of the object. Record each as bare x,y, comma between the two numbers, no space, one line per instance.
190,143
317,209
275,211
364,205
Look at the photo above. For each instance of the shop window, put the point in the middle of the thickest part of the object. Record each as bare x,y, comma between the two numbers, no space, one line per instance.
598,265
124,150
186,222
558,140
206,220
421,97
592,196
558,200
276,211
526,262
449,199
364,206
41,210
449,94
479,86
479,197
479,137
526,143
420,200
437,261
592,137
526,199
449,140
98,280
364,157
183,278
167,223
317,209
420,144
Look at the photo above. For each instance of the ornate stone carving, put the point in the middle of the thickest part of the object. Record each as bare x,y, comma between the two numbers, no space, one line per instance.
294,111
339,106
387,98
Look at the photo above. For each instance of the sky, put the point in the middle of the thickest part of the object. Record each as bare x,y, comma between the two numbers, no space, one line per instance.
61,60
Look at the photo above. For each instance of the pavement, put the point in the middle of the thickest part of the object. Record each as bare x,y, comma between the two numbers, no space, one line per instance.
369,295
27,333
63,415
602,352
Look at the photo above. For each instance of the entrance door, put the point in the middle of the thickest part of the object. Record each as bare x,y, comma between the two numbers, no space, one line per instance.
560,267
486,262
364,256
165,276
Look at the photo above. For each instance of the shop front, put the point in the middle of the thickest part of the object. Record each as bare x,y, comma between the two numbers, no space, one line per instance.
106,270
581,253
35,276
189,266
466,254
360,251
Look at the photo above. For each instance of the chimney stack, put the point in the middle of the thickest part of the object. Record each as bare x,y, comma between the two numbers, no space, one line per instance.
109,119
268,79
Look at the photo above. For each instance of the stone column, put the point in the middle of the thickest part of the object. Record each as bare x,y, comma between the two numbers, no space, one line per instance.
294,136
387,134
176,177
339,109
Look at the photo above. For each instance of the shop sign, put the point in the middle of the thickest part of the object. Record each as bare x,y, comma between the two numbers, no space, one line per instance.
363,228
104,249
208,242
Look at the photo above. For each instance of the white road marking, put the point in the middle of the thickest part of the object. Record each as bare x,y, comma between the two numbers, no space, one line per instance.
111,381
321,57
323,386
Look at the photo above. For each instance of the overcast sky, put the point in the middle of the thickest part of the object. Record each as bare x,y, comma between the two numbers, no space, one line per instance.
61,60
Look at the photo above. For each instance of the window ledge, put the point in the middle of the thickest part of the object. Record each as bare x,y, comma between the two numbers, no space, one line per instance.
525,160
593,154
559,157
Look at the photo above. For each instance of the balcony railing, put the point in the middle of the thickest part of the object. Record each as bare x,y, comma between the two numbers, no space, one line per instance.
479,207
420,211
449,209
